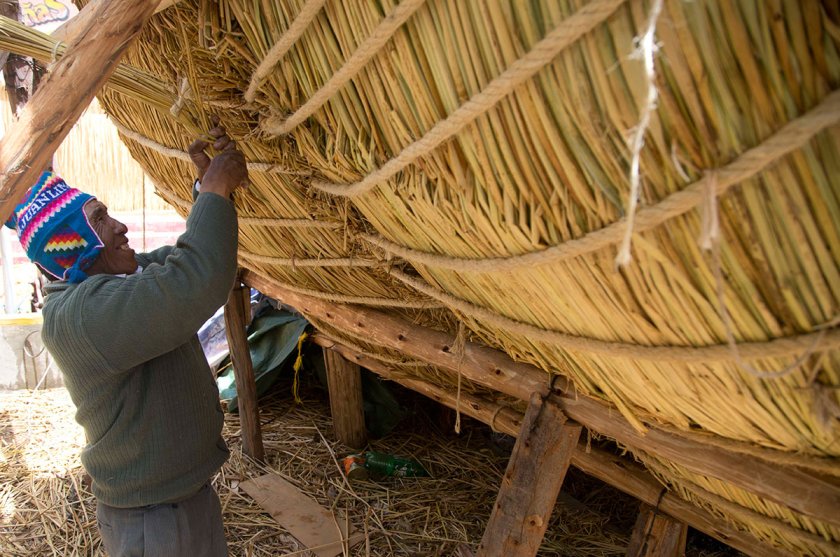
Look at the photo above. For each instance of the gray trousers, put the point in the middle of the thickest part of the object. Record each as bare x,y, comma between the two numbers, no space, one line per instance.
190,528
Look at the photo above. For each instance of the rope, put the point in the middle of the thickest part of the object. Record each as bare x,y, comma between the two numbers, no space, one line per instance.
174,199
459,348
184,156
184,91
779,347
736,350
282,46
256,221
321,262
287,223
647,46
572,28
357,61
710,239
54,55
365,300
153,145
789,138
495,415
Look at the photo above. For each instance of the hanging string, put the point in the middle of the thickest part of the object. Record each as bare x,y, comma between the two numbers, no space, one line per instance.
54,55
459,348
647,48
710,240
297,367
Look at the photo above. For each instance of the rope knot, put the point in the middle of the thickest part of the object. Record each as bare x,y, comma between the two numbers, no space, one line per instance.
709,221
184,92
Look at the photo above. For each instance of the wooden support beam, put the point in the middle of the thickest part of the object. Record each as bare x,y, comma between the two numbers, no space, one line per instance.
656,535
344,381
29,144
70,29
812,494
622,473
237,317
534,475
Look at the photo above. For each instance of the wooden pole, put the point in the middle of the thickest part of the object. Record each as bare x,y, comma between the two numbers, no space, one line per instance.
29,144
344,381
533,478
656,535
807,492
622,473
237,316
69,30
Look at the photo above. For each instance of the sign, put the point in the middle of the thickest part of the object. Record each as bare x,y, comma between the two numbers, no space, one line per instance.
46,15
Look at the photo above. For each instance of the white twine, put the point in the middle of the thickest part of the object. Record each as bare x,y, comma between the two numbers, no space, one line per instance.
647,48
710,240
54,55
709,221
184,92
459,348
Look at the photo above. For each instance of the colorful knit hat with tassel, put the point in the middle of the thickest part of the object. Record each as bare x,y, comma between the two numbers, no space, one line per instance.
54,230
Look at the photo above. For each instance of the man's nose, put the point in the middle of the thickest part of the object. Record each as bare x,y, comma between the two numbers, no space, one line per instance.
120,228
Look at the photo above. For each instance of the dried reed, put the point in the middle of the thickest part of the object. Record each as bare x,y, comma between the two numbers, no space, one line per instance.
548,164
45,509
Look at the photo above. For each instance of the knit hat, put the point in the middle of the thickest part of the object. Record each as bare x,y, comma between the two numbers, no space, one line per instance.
54,230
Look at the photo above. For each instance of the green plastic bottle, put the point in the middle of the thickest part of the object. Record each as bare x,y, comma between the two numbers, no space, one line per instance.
382,464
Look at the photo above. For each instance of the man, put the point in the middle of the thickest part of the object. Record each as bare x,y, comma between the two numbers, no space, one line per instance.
122,328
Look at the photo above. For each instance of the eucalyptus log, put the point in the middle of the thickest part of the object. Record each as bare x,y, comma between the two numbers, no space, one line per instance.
28,146
622,473
237,316
811,494
68,30
344,381
532,481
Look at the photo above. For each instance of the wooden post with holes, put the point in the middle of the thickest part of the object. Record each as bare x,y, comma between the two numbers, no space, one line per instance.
344,380
758,471
237,315
531,482
657,535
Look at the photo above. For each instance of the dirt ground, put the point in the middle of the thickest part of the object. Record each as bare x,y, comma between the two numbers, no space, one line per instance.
45,508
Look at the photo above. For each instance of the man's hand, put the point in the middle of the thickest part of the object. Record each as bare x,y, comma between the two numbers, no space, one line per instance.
226,171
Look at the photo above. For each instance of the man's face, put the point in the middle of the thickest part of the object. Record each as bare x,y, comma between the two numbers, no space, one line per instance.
116,257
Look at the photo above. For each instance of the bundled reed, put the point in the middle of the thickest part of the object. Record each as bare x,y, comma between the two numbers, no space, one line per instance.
46,509
473,157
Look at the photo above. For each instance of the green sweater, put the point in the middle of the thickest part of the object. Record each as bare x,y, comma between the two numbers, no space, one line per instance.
132,363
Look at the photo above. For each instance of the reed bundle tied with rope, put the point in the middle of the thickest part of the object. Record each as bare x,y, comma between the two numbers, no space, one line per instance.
640,195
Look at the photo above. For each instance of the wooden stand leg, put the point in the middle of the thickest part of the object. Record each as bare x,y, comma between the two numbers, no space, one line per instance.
344,379
531,482
657,535
237,314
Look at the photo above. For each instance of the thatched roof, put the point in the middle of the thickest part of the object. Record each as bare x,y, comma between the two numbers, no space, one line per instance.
644,203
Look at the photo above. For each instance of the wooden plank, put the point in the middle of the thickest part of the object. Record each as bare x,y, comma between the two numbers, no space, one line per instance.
321,531
622,473
810,493
656,535
28,146
237,317
344,381
533,478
